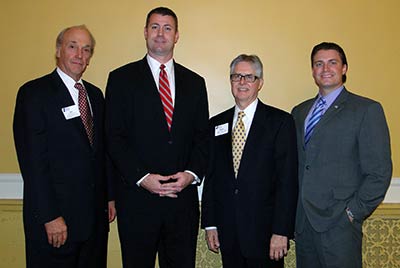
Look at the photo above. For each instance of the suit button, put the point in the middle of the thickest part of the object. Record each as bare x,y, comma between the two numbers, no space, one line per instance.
236,191
307,167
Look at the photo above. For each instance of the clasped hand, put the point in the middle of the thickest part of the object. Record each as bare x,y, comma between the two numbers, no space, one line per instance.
162,185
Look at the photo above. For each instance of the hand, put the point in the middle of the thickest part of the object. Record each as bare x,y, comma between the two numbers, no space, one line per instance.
183,179
56,232
212,240
112,212
278,247
152,183
350,215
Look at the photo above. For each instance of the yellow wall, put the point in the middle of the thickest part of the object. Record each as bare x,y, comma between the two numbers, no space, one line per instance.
212,33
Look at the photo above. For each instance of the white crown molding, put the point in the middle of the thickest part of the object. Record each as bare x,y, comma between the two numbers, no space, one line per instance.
11,187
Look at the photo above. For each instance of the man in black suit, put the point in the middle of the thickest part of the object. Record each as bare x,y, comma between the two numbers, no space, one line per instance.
250,191
156,126
58,132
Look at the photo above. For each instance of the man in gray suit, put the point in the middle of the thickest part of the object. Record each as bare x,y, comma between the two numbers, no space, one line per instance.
345,165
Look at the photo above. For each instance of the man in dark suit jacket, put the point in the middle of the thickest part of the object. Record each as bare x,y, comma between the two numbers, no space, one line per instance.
344,165
62,163
250,216
160,158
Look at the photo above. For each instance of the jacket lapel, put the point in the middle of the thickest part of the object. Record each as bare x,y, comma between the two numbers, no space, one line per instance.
257,129
153,97
65,100
332,111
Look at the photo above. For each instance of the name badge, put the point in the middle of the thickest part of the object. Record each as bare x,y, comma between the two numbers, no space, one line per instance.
221,129
71,112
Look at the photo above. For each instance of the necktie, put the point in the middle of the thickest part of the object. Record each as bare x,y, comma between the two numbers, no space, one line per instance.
238,141
314,119
165,95
84,110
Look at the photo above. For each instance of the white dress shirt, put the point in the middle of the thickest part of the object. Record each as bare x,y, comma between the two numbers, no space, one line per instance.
70,84
155,70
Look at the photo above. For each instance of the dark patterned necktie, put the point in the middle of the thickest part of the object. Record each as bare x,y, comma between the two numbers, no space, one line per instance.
165,95
84,110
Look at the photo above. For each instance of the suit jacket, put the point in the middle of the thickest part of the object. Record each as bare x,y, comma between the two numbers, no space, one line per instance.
63,175
139,141
261,201
347,162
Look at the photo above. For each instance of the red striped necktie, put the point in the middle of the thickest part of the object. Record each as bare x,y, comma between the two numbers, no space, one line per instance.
165,95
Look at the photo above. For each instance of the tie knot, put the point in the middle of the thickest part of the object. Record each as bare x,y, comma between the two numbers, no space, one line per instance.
321,101
241,114
79,86
162,67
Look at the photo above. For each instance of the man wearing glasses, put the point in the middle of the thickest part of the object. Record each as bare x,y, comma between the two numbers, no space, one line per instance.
250,191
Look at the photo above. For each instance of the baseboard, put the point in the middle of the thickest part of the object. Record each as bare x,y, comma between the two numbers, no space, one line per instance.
11,188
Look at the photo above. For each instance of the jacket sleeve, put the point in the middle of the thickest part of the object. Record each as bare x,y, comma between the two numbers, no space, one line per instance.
375,162
30,128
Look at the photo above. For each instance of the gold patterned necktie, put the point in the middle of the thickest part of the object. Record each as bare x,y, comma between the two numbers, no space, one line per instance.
238,141
84,110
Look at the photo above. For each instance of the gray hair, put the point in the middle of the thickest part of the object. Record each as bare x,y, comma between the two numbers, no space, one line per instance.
254,60
60,36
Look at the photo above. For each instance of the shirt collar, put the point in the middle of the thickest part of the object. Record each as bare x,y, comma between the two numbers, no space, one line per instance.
249,111
155,65
331,97
68,81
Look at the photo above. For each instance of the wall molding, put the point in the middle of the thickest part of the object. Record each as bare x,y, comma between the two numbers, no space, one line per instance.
11,187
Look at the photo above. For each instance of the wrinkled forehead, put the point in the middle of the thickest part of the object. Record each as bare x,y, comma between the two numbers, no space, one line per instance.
77,36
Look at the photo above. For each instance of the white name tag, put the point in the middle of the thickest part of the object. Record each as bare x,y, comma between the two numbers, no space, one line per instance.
71,112
221,129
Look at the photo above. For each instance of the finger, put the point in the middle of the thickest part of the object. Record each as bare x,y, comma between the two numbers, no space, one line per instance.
276,255
50,239
55,241
170,195
64,238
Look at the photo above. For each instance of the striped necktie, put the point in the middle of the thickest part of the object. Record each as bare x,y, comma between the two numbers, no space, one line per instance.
314,119
165,95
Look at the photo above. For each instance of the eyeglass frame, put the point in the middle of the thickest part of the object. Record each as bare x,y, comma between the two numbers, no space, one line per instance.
245,76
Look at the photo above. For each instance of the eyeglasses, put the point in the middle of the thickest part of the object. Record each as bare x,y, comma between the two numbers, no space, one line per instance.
250,78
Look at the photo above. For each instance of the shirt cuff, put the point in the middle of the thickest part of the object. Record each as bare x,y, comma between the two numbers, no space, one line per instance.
211,228
140,181
196,179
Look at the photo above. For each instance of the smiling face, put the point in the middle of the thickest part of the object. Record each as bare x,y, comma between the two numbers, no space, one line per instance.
328,70
161,35
74,52
245,92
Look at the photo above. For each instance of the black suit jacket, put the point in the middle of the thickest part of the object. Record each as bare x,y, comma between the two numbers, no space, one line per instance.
138,138
261,201
63,175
